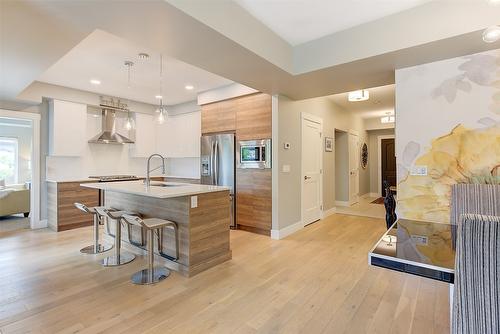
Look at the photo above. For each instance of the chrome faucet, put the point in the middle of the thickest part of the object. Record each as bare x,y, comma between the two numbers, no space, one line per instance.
147,181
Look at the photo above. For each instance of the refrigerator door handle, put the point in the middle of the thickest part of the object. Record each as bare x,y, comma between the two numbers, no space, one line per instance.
212,162
216,165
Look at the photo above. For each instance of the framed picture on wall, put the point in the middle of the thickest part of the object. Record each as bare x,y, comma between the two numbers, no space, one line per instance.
328,144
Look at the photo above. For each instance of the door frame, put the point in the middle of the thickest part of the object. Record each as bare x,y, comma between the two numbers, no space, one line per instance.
35,221
379,167
354,133
319,120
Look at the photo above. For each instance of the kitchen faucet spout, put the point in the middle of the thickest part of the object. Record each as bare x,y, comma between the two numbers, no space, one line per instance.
147,182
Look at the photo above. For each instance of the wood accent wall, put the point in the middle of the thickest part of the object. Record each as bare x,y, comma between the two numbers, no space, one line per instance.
250,118
62,214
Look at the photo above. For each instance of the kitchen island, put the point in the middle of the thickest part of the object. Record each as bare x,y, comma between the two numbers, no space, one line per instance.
202,213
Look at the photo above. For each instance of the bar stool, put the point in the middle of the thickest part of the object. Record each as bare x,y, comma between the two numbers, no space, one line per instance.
120,257
96,248
152,274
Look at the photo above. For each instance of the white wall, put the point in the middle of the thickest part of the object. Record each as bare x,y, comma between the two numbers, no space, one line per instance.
289,130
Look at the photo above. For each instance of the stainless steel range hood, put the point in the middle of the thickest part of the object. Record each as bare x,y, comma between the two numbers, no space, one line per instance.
108,134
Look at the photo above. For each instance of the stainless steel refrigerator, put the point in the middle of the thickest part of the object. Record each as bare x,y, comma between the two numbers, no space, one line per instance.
218,164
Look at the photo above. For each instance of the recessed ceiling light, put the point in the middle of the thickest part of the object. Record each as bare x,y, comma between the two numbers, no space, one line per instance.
189,87
95,82
159,97
358,95
491,34
143,55
493,2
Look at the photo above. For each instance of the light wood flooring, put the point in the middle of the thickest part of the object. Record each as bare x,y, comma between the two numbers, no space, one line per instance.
315,281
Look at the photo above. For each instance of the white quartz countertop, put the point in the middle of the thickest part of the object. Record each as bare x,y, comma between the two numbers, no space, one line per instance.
168,190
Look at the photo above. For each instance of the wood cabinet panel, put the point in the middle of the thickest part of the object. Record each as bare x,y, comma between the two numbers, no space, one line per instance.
254,117
62,214
254,200
218,117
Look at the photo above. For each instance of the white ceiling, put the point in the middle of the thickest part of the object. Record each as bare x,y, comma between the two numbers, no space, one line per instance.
300,21
101,56
380,103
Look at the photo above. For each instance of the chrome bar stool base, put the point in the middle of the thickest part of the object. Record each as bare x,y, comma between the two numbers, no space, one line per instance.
112,261
145,277
100,249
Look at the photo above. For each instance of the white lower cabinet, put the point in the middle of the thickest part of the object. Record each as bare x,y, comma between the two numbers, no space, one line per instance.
179,136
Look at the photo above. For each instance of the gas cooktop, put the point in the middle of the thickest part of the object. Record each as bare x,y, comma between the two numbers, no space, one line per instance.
113,178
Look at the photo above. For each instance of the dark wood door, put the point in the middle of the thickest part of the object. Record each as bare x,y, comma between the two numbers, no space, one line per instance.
388,163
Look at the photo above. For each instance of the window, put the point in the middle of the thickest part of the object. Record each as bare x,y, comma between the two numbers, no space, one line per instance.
8,160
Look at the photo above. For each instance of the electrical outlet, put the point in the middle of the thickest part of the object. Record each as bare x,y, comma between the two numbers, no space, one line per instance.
420,170
194,202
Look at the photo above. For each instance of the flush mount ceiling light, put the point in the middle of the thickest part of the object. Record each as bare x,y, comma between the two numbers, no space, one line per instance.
493,2
388,119
491,34
189,87
358,95
158,97
143,56
95,82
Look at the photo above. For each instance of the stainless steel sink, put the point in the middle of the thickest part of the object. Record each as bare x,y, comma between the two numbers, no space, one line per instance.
165,185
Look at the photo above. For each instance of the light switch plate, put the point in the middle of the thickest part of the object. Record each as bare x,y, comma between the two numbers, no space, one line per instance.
420,170
286,146
194,202
286,169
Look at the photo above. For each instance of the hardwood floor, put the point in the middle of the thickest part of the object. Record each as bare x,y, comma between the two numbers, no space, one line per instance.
315,281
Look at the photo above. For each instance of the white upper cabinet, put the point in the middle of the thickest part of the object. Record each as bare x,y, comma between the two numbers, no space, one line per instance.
179,136
67,128
145,136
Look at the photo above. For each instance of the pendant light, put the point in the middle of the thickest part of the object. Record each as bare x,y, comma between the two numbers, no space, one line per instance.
130,123
162,111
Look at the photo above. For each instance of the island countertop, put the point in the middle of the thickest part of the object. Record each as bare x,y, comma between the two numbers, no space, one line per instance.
157,189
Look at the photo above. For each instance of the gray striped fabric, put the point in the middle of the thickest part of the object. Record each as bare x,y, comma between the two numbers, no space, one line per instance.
482,199
476,302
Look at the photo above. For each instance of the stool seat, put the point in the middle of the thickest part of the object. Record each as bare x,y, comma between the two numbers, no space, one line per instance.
148,223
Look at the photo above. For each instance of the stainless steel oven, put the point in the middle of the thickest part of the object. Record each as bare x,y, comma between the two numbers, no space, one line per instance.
254,154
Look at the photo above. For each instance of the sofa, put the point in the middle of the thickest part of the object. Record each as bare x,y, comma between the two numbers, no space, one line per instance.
14,199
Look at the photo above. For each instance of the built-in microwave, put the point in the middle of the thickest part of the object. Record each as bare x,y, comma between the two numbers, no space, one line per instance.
254,154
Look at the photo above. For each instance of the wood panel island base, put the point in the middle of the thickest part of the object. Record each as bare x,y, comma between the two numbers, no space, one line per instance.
201,212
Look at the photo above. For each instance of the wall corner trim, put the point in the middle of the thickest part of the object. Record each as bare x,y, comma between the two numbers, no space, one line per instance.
286,231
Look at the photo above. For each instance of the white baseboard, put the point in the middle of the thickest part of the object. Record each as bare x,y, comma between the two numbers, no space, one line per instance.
286,231
342,203
328,212
40,224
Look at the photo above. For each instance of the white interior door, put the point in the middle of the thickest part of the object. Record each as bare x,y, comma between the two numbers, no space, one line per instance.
353,168
311,171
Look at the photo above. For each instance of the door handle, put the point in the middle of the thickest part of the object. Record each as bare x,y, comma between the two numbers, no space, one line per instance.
307,177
